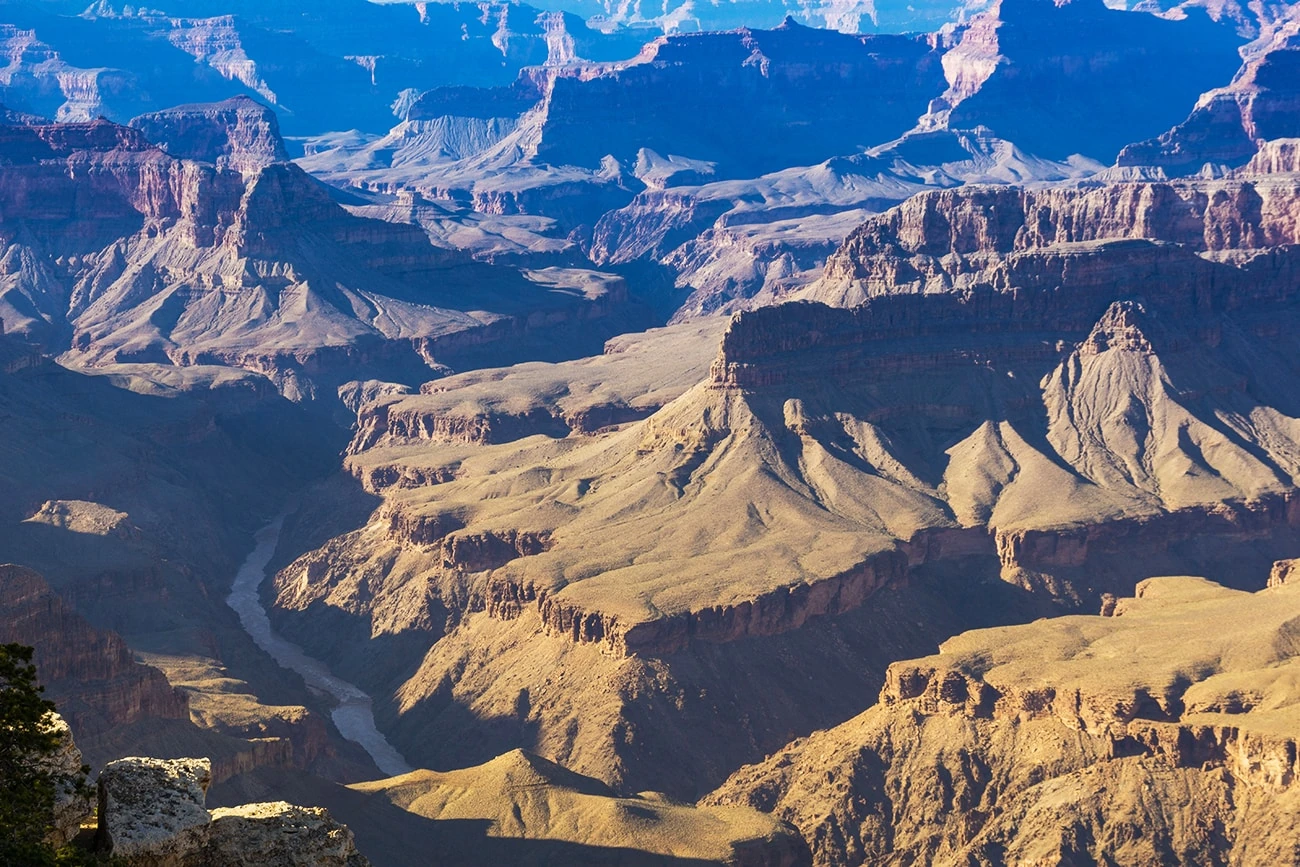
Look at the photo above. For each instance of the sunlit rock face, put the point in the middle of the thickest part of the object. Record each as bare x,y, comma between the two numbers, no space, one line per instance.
1012,743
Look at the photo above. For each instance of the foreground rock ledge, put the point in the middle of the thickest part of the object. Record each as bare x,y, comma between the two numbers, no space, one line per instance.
151,812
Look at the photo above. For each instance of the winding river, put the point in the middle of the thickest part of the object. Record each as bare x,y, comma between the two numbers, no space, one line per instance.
353,713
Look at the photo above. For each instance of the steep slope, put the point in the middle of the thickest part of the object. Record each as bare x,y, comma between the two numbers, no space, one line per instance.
1075,739
89,674
688,95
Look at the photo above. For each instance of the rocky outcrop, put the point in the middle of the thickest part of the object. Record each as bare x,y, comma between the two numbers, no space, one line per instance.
1013,744
153,808
1284,572
72,804
237,134
151,812
337,68
278,833
1277,157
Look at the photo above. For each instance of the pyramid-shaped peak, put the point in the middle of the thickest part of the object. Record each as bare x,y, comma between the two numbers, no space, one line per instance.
1125,326
523,769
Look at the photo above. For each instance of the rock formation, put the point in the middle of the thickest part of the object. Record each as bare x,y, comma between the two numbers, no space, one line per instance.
151,812
238,134
1054,97
72,805
1068,388
1038,239
1229,124
637,160
177,262
1072,739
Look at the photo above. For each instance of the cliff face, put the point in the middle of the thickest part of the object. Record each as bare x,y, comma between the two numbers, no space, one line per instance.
238,134
1079,738
685,95
1013,239
90,674
1009,71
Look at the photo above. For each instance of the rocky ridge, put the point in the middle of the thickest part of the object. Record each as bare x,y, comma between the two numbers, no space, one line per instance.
1009,238
529,799
1229,124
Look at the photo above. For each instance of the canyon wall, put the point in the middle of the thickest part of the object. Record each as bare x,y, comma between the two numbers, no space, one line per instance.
1036,743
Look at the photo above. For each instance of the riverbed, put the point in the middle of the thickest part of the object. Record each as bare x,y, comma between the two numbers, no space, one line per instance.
353,713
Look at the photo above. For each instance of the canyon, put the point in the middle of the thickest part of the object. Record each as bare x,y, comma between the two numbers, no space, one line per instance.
497,434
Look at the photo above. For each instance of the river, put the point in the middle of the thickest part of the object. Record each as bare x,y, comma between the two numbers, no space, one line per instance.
353,712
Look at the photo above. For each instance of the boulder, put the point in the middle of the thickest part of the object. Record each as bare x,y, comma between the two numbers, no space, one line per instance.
277,835
152,814
1284,572
151,811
